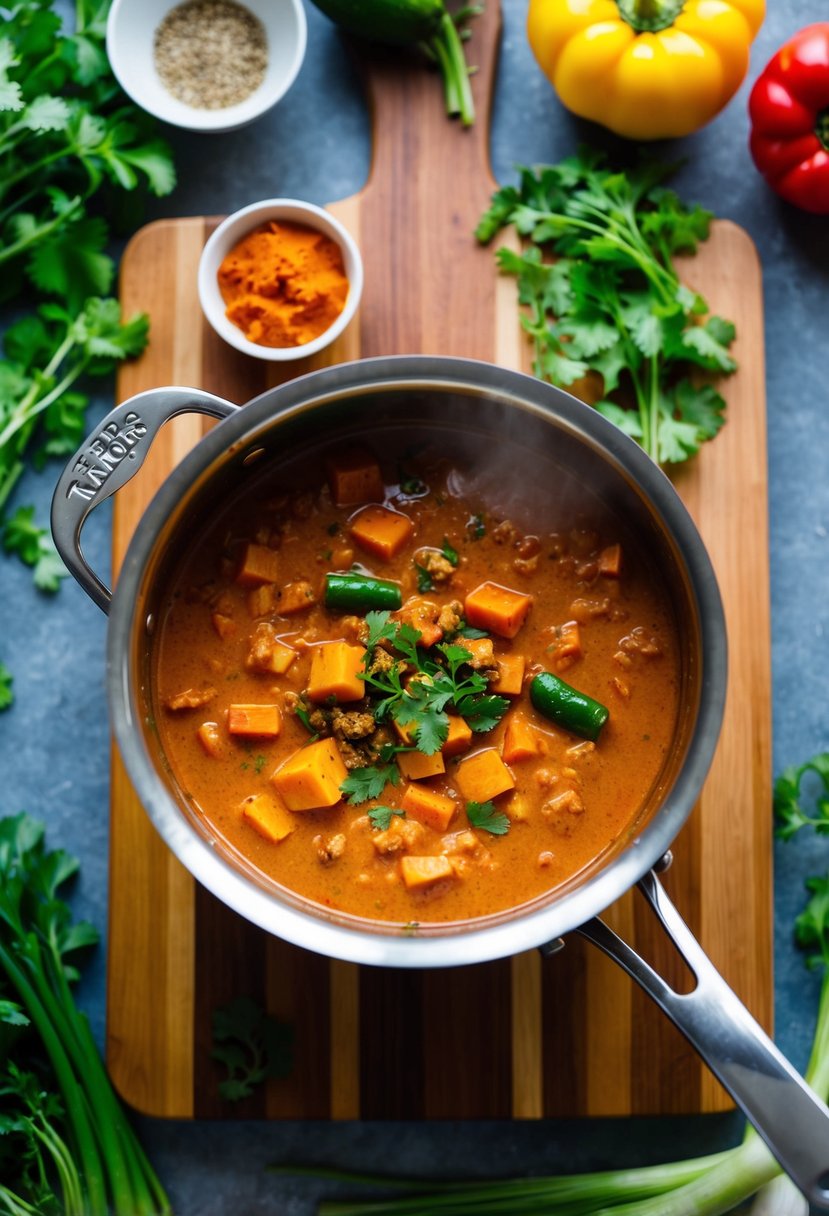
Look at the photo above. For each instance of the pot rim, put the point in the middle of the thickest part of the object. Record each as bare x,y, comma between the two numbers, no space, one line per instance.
470,944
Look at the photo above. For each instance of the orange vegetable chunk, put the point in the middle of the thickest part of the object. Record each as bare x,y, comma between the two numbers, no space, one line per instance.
381,531
416,767
267,814
311,778
263,721
259,565
434,810
497,609
459,738
354,477
421,872
335,668
521,739
610,561
510,675
295,597
267,653
484,776
566,643
209,736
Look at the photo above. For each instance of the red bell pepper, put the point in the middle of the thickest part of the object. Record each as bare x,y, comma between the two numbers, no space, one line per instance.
789,109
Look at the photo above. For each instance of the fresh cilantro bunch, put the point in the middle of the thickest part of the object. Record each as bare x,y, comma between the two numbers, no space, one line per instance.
601,294
65,132
69,141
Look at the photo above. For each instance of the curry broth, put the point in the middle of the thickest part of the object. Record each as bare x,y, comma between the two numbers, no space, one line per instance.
571,799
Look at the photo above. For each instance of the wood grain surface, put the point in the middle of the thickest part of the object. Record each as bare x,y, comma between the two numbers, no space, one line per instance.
516,1038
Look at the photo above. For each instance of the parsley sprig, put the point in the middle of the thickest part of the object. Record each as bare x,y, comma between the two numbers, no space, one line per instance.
434,682
789,811
611,301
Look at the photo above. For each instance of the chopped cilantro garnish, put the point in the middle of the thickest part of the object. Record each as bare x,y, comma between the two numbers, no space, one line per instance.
380,817
451,554
487,817
424,579
362,784
259,763
438,680
470,632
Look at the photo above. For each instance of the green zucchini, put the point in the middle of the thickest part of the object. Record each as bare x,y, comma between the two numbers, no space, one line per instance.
355,592
423,23
399,22
568,707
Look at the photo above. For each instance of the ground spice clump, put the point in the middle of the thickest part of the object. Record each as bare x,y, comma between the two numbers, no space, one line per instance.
284,284
211,54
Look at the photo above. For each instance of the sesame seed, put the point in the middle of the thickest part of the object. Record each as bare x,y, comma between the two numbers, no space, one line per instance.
211,54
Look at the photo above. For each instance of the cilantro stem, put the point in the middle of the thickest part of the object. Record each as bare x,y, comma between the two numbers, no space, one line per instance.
72,1095
37,234
30,407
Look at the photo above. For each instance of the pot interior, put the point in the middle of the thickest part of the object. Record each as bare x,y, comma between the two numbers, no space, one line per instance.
541,456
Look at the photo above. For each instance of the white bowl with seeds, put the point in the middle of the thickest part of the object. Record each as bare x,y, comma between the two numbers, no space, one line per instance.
206,65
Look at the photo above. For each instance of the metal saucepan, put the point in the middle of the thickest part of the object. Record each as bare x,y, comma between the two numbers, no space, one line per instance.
504,413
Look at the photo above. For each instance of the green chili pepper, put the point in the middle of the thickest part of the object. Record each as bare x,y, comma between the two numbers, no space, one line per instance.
360,593
567,707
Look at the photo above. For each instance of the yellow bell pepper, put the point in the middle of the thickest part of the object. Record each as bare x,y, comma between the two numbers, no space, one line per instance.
647,69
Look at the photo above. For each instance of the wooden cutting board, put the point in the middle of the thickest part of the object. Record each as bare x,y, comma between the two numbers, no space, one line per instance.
516,1038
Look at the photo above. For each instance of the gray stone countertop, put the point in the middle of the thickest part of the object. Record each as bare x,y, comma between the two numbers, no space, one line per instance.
54,744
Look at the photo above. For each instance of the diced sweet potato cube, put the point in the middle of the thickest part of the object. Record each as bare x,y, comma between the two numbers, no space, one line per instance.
510,675
421,872
311,778
422,615
267,653
263,601
210,737
497,609
268,815
481,651
484,776
295,597
415,766
459,738
434,810
521,739
381,531
354,477
262,721
335,672
258,565
610,561
225,626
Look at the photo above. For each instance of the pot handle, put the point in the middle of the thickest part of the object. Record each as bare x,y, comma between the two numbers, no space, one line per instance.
107,460
792,1120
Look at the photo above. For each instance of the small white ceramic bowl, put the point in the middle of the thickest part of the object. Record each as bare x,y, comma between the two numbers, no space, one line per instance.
131,27
237,226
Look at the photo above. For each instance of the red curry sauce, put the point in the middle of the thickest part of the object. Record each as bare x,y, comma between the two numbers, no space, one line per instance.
234,664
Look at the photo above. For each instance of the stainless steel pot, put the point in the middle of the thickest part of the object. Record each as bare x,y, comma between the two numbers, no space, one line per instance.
559,436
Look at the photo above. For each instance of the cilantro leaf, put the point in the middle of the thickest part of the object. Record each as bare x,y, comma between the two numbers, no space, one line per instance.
424,579
451,554
482,713
6,693
789,811
363,784
380,817
811,927
380,628
252,1045
487,818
